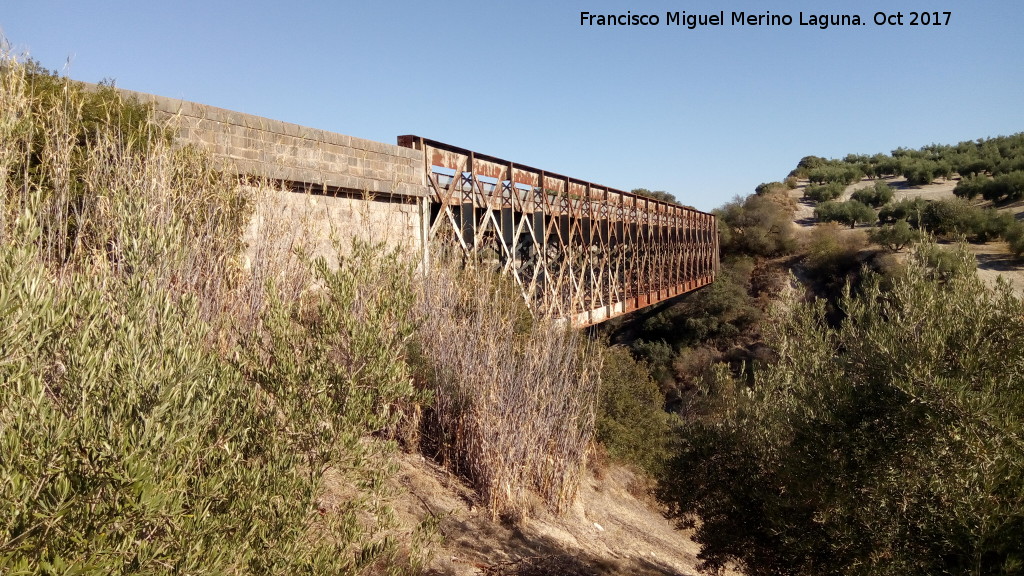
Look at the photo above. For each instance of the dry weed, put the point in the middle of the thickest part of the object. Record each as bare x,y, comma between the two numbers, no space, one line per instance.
514,397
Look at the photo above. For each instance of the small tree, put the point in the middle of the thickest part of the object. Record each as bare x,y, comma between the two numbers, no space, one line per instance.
896,236
909,209
850,212
824,192
971,186
877,196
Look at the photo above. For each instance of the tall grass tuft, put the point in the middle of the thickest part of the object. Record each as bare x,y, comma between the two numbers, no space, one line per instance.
514,397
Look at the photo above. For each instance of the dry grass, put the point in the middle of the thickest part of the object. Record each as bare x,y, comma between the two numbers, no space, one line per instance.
514,397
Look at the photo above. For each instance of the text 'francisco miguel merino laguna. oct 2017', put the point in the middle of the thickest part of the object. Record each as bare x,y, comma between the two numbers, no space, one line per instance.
822,21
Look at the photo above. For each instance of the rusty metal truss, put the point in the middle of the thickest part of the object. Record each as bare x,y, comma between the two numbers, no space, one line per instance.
579,251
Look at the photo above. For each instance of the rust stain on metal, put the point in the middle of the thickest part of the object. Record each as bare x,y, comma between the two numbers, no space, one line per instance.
583,252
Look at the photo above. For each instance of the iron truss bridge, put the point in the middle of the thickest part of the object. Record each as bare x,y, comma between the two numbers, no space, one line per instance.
579,251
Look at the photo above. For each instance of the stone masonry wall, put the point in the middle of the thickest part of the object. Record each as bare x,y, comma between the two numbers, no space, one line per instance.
278,150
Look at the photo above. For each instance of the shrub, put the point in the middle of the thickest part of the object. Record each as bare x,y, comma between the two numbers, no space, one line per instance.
896,236
886,445
1007,187
991,224
972,166
888,166
805,165
121,433
715,314
1015,237
949,217
970,187
920,172
909,209
771,187
656,194
957,217
132,444
631,420
835,173
658,355
942,264
830,254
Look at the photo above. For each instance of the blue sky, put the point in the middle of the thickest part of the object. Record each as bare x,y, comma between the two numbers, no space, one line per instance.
705,114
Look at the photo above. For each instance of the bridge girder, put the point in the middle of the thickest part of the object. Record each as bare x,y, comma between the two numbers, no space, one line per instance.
578,251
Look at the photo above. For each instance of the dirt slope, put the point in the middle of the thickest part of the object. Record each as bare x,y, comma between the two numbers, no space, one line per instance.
607,532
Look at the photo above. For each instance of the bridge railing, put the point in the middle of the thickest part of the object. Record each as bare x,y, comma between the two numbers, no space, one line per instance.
578,250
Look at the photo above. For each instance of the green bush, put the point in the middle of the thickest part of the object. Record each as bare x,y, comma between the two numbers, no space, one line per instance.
877,196
955,217
919,173
889,444
772,187
824,192
909,209
656,194
631,420
135,437
970,187
832,256
658,355
896,236
128,444
1007,187
714,314
756,226
1014,236
835,173
850,212
949,217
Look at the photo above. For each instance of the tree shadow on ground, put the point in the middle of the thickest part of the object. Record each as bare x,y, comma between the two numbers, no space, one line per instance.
999,262
523,554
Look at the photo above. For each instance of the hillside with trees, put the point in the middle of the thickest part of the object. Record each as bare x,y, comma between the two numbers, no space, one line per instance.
849,392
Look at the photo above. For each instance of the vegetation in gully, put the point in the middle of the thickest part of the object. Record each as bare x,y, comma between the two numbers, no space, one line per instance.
844,399
863,416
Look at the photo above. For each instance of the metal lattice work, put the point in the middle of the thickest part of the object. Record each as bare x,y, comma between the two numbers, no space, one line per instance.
579,251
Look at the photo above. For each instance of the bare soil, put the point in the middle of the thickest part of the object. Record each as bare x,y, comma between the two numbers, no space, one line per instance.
608,530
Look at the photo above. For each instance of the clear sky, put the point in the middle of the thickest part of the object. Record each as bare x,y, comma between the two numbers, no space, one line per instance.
704,113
